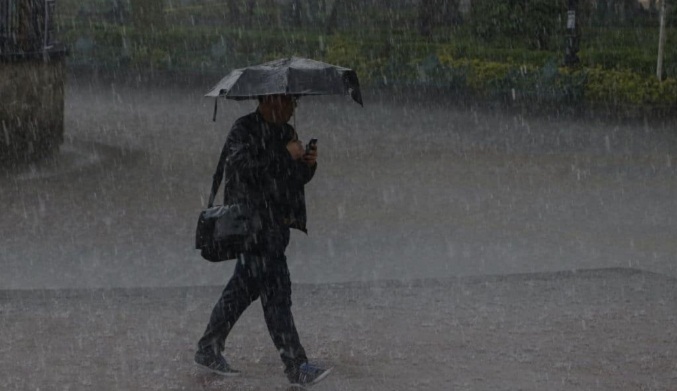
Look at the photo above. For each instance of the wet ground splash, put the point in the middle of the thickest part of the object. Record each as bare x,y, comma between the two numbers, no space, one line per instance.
604,329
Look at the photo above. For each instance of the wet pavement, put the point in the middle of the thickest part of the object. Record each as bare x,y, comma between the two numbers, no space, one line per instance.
406,188
610,329
450,247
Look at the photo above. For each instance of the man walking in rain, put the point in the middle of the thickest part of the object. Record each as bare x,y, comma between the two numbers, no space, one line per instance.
266,167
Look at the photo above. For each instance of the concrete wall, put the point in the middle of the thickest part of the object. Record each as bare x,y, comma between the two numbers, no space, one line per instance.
31,109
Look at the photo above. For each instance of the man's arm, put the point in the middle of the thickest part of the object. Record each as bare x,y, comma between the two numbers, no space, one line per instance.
253,164
305,162
240,154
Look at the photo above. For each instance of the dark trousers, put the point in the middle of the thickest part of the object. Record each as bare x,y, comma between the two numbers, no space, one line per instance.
262,273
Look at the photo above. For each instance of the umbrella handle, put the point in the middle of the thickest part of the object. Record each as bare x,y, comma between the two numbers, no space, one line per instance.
216,101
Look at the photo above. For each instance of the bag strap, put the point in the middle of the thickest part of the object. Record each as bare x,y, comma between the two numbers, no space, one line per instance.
216,181
212,195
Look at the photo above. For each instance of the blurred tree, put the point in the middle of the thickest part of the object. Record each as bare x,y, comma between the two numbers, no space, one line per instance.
619,12
234,13
250,6
148,14
313,11
437,13
518,22
343,12
332,20
629,10
271,12
296,13
308,13
541,22
118,12
425,15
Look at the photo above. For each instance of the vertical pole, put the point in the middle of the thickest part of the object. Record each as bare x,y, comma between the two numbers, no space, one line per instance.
661,43
47,30
571,54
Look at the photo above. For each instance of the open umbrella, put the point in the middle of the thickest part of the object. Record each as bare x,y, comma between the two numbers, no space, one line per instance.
291,76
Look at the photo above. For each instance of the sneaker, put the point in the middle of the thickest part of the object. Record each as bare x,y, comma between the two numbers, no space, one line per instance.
310,374
214,362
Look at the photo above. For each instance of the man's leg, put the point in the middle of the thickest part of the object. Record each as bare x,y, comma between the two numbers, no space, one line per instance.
239,293
276,302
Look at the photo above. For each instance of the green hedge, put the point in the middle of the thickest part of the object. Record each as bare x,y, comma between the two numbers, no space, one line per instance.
522,75
623,87
617,75
182,48
533,23
509,81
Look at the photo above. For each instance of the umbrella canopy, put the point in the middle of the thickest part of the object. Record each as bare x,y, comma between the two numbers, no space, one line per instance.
291,76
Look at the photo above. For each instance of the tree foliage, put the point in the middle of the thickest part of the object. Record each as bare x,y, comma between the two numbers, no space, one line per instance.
530,22
148,14
437,13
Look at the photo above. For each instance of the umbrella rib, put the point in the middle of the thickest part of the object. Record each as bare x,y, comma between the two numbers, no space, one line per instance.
241,77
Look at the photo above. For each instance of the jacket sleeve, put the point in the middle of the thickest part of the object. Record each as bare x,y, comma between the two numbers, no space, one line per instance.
300,173
295,173
254,165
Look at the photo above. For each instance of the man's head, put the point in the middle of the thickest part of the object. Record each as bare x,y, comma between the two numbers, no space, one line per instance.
277,109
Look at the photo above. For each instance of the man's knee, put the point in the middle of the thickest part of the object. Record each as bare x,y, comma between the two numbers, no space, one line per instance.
277,298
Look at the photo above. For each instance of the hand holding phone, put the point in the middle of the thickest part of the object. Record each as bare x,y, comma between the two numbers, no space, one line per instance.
311,145
311,152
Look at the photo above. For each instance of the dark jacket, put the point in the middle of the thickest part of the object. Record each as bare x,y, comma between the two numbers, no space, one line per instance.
260,172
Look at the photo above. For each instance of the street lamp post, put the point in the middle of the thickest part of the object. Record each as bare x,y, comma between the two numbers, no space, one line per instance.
571,53
661,42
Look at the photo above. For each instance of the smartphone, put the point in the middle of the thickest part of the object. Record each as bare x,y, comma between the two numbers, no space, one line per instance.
311,145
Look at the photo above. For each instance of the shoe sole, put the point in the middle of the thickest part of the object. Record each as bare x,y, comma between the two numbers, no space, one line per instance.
225,374
322,376
319,379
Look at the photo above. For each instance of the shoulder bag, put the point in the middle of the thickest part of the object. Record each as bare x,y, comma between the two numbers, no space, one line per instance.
224,231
